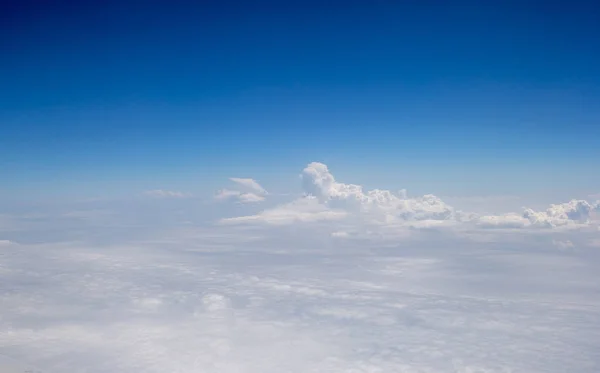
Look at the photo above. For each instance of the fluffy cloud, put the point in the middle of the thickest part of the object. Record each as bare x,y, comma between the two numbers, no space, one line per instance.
254,191
327,199
572,212
317,181
159,193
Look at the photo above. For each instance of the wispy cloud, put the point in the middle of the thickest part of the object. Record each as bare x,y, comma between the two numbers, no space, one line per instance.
160,193
254,191
249,183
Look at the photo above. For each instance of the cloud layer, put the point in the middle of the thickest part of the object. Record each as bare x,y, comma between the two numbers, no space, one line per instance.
216,300
340,280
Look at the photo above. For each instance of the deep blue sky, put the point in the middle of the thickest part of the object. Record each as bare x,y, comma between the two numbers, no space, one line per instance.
438,96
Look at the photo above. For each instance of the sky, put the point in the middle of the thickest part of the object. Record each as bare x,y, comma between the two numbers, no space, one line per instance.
470,96
299,187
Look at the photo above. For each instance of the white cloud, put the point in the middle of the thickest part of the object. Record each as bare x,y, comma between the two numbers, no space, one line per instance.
502,221
379,204
303,210
572,212
297,302
327,199
255,192
388,284
226,194
160,193
249,183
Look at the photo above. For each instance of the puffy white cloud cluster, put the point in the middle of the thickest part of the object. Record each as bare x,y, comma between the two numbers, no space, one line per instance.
327,199
380,204
575,211
253,191
570,214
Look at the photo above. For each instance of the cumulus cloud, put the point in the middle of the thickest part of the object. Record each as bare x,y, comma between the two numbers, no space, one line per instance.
328,199
325,198
317,181
160,193
572,212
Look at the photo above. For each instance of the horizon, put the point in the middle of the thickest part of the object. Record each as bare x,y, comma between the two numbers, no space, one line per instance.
300,187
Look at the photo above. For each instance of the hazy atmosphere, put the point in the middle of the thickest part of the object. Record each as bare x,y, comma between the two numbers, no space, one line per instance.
299,187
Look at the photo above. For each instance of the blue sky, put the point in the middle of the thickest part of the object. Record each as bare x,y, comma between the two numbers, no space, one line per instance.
464,99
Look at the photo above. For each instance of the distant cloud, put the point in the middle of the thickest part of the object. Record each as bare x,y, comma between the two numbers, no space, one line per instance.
301,210
249,183
563,244
226,194
160,193
327,199
353,280
254,191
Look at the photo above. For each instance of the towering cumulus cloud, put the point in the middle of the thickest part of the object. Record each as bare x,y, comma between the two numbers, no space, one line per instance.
319,182
327,199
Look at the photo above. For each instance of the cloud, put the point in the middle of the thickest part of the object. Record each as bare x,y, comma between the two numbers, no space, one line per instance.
327,199
320,183
563,244
226,194
299,302
254,192
572,212
159,193
249,183
305,210
383,210
385,284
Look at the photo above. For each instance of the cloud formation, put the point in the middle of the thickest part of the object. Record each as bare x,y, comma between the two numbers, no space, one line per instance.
327,199
254,192
249,183
299,302
340,280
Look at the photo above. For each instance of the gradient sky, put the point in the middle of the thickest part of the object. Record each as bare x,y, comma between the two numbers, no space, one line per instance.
455,98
